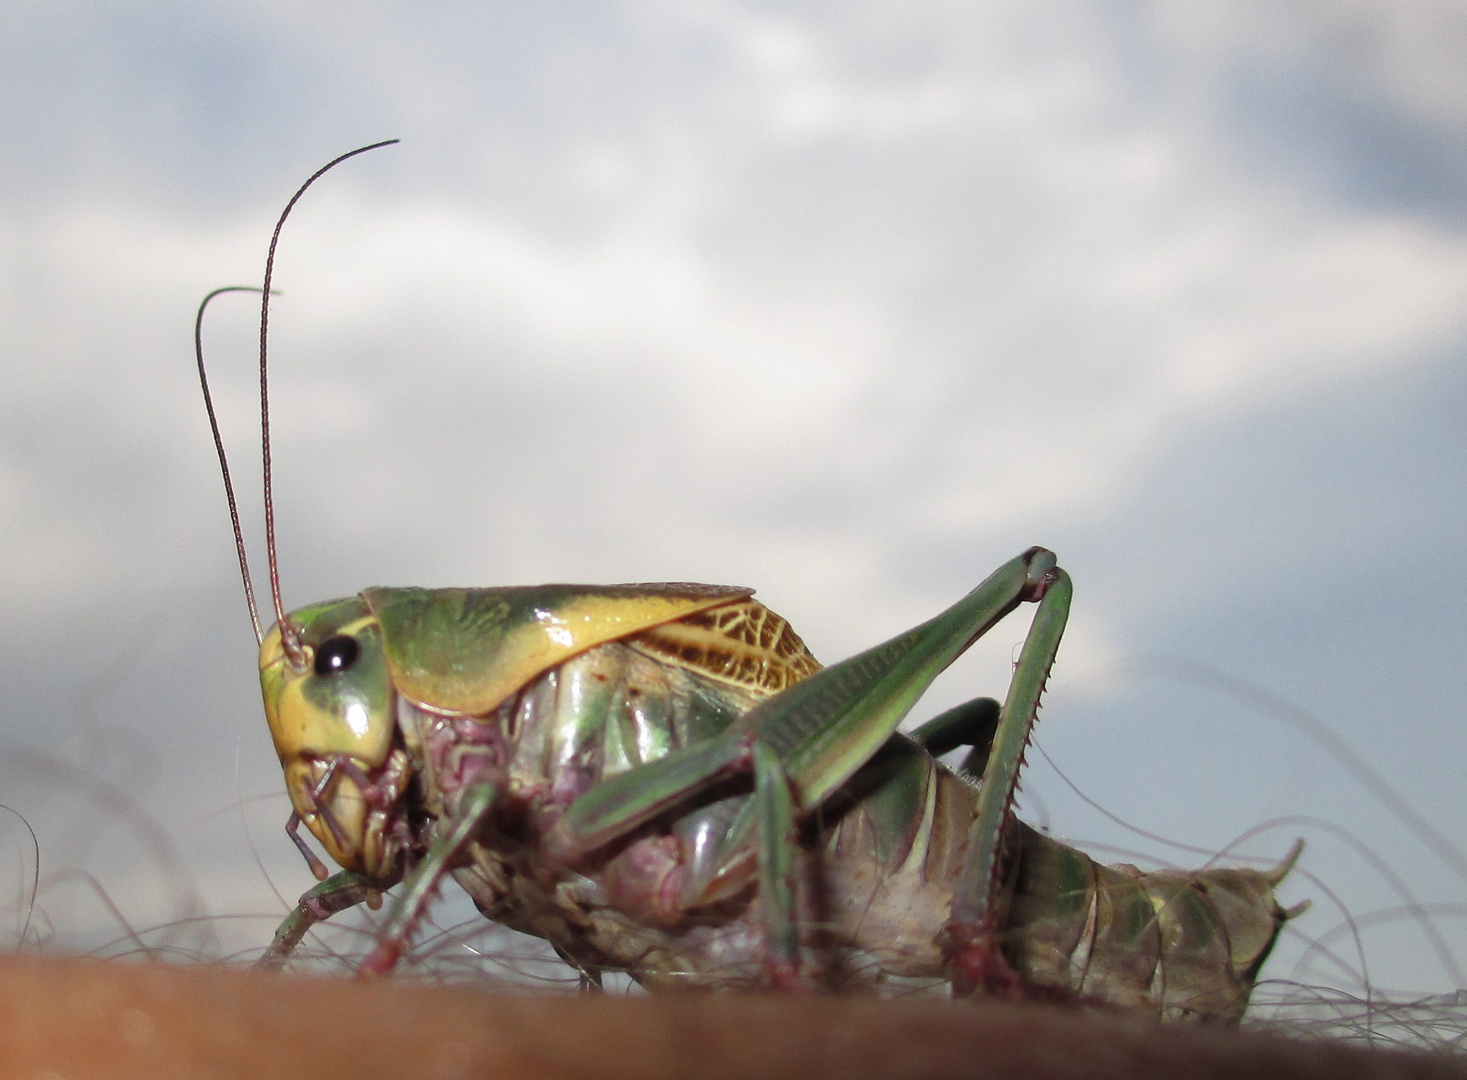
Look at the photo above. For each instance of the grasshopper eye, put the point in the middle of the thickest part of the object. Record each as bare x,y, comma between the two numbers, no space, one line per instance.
336,654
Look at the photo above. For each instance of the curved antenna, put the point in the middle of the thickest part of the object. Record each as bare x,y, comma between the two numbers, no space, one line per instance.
239,545
289,639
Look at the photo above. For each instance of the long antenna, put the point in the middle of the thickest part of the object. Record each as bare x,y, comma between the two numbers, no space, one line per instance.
239,545
289,638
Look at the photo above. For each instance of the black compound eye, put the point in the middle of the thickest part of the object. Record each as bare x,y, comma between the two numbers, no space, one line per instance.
336,654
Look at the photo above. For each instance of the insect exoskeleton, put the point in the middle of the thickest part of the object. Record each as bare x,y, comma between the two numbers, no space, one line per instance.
405,699
432,657
660,779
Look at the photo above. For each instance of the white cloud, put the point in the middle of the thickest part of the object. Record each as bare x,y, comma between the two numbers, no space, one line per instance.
846,304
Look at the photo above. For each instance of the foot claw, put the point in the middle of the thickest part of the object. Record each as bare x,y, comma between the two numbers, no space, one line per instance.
977,965
381,961
785,978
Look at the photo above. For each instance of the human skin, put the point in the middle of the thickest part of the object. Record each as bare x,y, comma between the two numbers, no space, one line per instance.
78,1019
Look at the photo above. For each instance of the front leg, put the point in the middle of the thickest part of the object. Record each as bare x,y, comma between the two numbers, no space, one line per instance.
476,804
336,894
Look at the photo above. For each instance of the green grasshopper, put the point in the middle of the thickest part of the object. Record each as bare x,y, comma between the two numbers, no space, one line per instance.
661,780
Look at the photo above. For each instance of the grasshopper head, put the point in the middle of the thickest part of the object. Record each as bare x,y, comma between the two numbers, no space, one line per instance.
333,722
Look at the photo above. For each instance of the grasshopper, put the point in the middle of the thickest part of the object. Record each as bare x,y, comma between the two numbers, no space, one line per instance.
660,779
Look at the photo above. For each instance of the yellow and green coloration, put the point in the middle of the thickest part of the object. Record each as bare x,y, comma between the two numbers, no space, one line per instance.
660,779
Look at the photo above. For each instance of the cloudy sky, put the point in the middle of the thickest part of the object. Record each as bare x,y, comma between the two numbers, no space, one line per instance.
847,302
